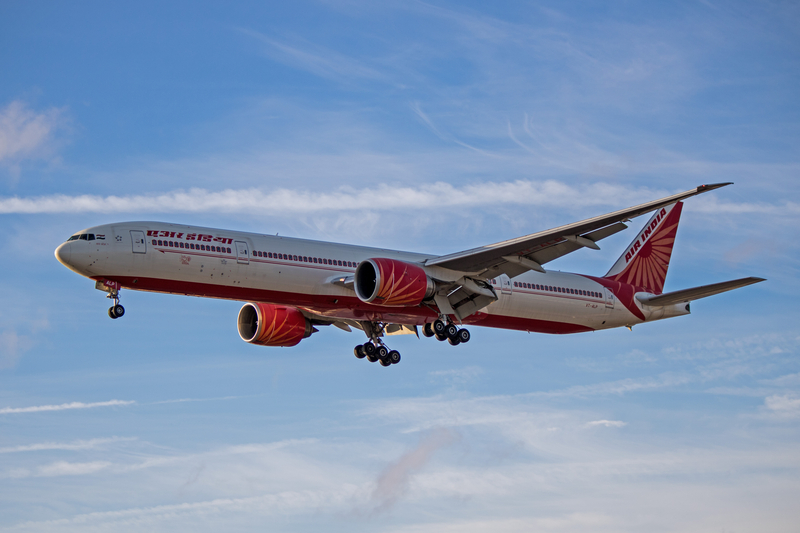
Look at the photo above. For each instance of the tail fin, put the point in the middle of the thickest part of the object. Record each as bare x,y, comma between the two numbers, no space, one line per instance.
645,262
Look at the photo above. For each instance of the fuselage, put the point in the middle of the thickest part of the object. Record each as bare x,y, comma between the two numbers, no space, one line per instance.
214,263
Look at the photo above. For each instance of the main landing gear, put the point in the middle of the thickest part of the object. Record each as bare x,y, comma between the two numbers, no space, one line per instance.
375,353
375,350
449,332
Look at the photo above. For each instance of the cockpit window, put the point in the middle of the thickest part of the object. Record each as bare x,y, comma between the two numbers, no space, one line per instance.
83,237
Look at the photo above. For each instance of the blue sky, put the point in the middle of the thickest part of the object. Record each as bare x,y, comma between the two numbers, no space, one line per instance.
432,127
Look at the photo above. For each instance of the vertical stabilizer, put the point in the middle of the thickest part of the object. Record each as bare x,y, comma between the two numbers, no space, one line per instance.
646,260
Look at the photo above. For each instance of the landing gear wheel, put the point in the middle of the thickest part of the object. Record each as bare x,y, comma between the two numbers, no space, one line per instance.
394,357
463,335
382,352
372,358
427,330
454,341
119,310
386,362
441,337
438,327
451,331
369,349
358,351
111,312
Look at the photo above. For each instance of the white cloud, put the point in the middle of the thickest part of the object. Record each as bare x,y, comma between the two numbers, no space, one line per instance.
25,133
64,468
74,445
63,406
607,423
783,405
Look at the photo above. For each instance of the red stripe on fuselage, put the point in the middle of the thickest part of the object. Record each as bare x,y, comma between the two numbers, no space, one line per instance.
338,306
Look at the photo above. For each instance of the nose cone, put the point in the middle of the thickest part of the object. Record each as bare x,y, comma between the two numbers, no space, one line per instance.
63,253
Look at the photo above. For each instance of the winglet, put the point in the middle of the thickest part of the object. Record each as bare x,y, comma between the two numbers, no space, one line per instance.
712,186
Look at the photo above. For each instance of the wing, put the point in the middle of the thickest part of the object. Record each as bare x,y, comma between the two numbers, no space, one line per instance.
515,256
688,295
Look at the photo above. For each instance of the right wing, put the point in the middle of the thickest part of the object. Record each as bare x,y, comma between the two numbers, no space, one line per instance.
516,256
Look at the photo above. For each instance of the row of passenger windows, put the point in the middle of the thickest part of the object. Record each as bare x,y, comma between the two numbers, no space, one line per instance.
305,259
549,288
192,246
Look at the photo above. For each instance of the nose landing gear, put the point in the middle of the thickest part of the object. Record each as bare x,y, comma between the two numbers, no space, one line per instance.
112,288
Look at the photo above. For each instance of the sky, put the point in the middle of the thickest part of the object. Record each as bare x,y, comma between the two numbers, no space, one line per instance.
432,127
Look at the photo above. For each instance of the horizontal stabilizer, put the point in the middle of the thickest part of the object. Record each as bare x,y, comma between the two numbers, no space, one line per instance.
688,295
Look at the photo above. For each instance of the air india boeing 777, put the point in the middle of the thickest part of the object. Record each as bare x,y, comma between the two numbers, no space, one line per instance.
294,285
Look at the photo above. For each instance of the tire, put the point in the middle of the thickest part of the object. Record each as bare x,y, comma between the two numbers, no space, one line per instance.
438,326
369,349
463,335
427,330
453,341
382,352
451,331
386,362
441,337
394,357
372,358
119,310
359,352
111,313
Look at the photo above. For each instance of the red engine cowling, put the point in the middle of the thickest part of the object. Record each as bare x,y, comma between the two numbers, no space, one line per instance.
392,283
272,325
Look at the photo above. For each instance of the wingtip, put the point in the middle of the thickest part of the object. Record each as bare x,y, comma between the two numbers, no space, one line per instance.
712,186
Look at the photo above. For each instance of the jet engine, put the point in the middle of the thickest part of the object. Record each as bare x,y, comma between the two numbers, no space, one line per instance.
272,325
392,283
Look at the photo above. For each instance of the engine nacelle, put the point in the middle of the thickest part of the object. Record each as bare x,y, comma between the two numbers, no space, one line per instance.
272,325
392,283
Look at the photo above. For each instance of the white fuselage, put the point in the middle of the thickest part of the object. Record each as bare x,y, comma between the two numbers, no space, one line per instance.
197,261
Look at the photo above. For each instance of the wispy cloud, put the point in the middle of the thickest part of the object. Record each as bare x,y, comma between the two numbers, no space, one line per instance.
607,423
74,445
318,60
63,406
25,133
12,345
548,193
393,480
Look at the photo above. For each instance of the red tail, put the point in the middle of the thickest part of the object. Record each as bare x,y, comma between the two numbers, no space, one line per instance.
644,264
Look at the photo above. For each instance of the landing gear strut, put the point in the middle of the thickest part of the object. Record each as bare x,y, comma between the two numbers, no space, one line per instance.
116,310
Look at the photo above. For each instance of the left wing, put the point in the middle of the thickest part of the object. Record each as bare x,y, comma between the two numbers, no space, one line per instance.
515,256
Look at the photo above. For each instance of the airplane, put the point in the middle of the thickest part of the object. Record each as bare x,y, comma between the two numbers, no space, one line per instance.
292,286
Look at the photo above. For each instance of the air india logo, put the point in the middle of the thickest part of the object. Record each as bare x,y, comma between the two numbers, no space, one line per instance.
185,259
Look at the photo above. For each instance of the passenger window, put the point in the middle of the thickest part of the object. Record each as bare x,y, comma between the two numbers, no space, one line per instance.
154,242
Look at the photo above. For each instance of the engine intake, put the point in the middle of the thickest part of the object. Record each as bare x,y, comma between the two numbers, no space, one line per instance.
392,283
272,325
